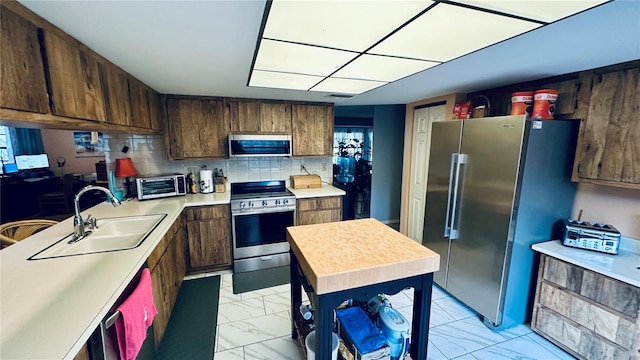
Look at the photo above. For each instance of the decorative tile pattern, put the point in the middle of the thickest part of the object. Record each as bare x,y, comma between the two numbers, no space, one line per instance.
519,348
253,330
284,348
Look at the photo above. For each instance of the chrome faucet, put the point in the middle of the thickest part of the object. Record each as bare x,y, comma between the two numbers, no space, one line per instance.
78,224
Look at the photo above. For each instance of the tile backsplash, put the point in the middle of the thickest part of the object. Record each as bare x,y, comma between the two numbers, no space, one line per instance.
149,156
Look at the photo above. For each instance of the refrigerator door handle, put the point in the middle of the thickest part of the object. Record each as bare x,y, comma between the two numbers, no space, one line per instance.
452,180
455,204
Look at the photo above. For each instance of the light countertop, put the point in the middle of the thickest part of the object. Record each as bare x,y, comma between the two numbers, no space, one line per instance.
349,254
325,190
623,266
50,307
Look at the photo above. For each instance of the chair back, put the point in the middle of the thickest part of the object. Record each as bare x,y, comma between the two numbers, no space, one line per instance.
12,232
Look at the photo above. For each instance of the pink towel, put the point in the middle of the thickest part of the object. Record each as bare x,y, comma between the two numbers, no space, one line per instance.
137,313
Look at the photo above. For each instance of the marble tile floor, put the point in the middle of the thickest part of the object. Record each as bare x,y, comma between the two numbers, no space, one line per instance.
255,325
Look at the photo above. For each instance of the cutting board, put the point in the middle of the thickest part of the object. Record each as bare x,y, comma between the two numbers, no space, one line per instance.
305,181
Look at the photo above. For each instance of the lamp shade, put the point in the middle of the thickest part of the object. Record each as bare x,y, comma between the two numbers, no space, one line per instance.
124,168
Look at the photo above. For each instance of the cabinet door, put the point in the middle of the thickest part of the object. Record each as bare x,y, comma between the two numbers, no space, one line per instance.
75,88
275,118
244,116
319,210
609,150
116,94
139,105
22,81
209,236
312,129
155,111
197,128
166,278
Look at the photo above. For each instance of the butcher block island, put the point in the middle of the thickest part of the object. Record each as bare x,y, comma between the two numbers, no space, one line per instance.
359,259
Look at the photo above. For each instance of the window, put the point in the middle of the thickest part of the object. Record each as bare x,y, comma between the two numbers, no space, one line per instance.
6,150
356,139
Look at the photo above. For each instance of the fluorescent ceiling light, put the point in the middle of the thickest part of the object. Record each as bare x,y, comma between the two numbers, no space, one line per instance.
301,59
283,80
382,68
347,86
547,11
348,25
447,32
353,46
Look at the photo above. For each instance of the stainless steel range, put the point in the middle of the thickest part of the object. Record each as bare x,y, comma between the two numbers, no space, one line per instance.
261,211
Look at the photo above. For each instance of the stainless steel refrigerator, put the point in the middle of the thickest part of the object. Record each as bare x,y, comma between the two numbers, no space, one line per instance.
496,186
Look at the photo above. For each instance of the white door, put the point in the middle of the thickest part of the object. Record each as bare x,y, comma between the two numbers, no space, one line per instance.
422,120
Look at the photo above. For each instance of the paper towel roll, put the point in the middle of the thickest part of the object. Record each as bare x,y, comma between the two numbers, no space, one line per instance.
206,181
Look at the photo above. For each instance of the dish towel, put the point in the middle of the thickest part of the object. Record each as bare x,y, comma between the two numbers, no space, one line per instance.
360,329
136,315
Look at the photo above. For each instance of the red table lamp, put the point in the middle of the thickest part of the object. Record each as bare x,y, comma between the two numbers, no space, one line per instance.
125,169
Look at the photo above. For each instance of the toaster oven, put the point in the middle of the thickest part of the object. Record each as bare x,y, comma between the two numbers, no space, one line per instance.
591,236
160,186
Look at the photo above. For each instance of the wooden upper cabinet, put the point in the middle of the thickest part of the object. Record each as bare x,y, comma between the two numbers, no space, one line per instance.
156,115
312,129
258,117
609,150
116,94
74,80
244,116
22,79
139,104
275,118
196,128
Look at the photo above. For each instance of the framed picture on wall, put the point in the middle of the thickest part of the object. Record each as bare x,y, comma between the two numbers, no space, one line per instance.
86,146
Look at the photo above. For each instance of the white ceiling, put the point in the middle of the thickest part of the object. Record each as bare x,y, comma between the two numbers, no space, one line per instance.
207,47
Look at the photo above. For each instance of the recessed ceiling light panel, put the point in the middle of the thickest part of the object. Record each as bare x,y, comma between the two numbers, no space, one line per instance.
347,86
547,11
349,25
382,68
283,80
447,31
301,59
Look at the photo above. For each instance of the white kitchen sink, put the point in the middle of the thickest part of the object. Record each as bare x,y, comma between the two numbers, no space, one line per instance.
112,234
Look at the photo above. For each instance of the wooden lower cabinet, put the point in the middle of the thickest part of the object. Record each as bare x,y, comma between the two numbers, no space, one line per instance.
167,264
209,237
589,315
319,210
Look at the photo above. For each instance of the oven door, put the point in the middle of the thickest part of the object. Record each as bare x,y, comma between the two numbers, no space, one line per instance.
261,233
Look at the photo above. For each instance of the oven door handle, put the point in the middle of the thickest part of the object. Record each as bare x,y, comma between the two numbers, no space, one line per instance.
262,211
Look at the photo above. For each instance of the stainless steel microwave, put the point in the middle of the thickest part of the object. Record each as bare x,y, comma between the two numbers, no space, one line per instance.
259,145
159,186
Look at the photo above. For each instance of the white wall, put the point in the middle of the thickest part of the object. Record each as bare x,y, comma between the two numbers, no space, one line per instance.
60,143
619,207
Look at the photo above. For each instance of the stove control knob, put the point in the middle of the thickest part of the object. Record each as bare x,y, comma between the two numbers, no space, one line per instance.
285,201
241,204
277,202
250,203
264,202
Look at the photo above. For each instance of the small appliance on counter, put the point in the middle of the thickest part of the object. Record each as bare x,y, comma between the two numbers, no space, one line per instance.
206,181
160,186
591,235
